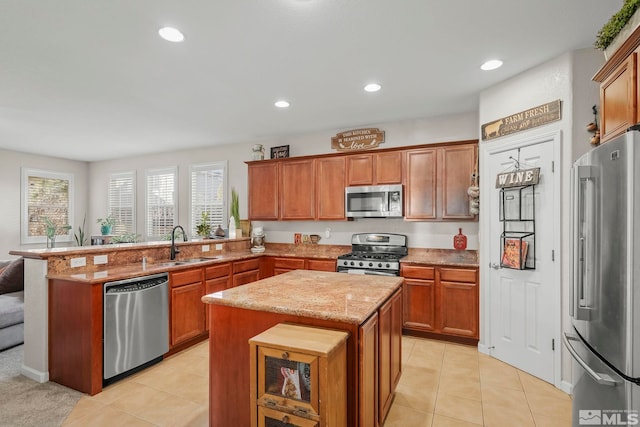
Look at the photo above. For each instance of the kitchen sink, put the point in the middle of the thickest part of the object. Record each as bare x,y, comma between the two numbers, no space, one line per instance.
184,261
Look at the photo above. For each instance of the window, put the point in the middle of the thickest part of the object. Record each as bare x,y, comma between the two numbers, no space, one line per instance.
46,195
161,202
208,194
122,202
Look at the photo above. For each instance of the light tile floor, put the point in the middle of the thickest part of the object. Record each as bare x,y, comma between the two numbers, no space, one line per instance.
442,385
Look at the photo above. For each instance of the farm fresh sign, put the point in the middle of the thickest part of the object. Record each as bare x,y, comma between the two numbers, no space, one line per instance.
533,117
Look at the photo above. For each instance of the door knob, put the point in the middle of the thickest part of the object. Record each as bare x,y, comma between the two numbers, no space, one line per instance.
494,265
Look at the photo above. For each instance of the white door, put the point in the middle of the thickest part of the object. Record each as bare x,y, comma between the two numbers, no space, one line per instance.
524,304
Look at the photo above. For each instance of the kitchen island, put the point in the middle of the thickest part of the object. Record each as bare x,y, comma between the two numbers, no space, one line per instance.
369,308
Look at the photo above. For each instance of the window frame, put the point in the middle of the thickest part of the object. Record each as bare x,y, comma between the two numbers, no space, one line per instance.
160,171
222,164
26,172
120,175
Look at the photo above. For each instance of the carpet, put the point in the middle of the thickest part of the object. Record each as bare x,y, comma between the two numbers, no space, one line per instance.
26,403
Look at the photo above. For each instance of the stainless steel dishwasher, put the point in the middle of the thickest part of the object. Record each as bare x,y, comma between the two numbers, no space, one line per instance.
136,324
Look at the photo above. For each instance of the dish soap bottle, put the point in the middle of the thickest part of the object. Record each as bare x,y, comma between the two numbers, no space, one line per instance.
232,228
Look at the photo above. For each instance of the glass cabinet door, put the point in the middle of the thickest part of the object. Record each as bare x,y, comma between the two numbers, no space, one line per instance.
288,379
271,418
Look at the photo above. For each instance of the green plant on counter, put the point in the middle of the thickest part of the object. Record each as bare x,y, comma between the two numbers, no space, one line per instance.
613,27
204,228
126,238
52,229
235,207
80,237
109,220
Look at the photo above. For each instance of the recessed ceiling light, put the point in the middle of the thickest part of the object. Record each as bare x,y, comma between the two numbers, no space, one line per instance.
281,104
372,87
171,34
491,65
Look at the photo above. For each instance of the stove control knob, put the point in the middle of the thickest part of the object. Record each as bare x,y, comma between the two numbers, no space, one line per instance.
351,263
370,264
380,264
360,264
388,266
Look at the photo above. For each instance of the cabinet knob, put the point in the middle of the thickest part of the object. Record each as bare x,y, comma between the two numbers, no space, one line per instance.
285,419
285,355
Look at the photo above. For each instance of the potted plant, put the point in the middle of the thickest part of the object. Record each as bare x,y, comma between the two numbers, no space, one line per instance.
618,28
235,207
204,228
52,229
80,237
106,224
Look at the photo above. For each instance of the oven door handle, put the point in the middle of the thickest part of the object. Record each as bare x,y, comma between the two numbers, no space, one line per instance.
367,272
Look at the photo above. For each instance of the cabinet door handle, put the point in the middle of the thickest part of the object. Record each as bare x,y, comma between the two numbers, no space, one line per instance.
285,355
285,419
494,265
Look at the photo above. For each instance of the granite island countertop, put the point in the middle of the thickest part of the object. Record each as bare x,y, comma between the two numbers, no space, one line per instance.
349,298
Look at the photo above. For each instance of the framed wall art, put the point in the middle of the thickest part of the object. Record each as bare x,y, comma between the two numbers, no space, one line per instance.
280,152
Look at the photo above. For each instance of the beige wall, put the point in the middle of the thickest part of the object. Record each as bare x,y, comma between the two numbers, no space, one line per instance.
11,163
399,133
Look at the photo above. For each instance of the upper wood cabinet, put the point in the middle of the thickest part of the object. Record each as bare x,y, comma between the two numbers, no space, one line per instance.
620,89
297,189
330,180
263,191
374,168
436,182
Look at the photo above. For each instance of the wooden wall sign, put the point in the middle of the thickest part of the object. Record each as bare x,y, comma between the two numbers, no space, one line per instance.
518,178
533,117
357,139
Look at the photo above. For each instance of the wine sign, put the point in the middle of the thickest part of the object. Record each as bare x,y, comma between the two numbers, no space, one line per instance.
357,139
518,178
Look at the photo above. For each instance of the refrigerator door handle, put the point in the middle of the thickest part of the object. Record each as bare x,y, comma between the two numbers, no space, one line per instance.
598,377
580,306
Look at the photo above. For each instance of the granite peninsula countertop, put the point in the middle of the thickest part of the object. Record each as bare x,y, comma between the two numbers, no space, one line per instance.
349,298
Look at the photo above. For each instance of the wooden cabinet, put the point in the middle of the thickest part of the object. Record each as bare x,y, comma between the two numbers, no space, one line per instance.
374,168
420,184
436,182
441,301
297,190
368,375
389,352
187,310
263,191
458,302
419,297
618,94
298,376
217,278
330,182
321,264
246,271
283,265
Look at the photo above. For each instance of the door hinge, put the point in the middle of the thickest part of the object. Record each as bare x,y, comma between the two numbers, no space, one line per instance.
553,166
553,344
553,255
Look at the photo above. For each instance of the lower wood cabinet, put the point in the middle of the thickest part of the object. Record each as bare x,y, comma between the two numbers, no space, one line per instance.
389,352
441,300
186,306
246,271
279,265
217,278
368,363
298,377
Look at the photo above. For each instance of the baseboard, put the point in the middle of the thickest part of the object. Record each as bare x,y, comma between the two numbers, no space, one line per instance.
567,387
41,377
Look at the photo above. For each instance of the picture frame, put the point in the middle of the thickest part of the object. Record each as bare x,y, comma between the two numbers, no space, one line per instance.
280,152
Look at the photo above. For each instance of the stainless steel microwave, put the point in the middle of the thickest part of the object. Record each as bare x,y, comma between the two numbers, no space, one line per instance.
374,201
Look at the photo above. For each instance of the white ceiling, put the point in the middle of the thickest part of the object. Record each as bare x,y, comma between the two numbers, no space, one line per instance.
91,80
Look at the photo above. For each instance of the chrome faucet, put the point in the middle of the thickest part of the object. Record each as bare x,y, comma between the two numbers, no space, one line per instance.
175,250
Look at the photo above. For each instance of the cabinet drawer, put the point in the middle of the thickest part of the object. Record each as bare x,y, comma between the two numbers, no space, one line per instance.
246,265
290,263
186,277
321,264
220,270
458,275
268,417
418,272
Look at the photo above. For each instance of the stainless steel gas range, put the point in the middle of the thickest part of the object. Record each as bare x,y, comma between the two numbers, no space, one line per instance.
374,253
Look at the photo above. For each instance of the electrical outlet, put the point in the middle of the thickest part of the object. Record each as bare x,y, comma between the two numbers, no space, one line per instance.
327,232
205,248
100,259
218,246
78,262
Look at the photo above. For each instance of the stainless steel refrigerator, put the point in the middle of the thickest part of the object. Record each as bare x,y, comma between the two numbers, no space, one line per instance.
605,291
